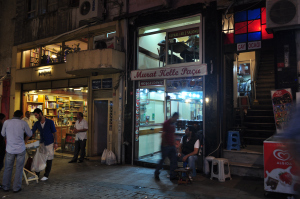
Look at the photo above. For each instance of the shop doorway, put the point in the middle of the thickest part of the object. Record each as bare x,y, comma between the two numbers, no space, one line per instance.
244,71
101,126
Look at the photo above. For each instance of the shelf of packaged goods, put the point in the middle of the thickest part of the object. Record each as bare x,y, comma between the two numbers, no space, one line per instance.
50,100
51,108
76,101
35,102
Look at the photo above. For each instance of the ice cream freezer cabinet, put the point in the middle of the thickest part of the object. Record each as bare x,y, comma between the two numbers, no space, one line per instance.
281,174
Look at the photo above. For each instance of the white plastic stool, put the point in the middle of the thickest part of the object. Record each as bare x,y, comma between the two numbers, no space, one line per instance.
208,159
221,169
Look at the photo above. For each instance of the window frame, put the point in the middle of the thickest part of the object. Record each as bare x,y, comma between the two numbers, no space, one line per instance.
201,42
37,8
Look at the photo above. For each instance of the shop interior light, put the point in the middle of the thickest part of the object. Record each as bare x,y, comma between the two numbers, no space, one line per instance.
201,100
54,56
188,101
207,100
77,89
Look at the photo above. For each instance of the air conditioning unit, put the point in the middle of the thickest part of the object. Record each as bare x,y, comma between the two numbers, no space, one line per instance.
283,13
88,12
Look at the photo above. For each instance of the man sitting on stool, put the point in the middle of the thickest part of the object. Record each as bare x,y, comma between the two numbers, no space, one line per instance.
188,149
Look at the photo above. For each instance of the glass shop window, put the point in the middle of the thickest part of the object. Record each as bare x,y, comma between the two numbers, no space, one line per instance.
31,8
51,54
183,43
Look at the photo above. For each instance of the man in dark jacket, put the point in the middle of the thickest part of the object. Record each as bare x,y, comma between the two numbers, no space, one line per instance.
189,148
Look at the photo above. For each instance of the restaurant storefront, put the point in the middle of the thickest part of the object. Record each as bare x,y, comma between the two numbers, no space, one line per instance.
169,78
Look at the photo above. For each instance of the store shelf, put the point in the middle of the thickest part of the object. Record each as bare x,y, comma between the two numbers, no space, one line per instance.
50,100
36,102
51,108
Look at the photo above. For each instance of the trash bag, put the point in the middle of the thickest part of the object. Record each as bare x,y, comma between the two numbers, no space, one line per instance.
103,157
39,160
110,158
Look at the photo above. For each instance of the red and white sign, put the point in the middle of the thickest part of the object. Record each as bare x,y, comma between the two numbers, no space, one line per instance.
152,83
254,45
169,72
241,46
280,173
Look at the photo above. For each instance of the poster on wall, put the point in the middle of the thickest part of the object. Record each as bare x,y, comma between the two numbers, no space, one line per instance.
280,170
282,105
137,120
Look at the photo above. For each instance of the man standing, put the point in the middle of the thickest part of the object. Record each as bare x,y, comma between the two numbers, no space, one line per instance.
14,130
27,119
2,141
168,148
81,126
48,136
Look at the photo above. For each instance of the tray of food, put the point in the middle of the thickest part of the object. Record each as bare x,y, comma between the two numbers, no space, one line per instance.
32,144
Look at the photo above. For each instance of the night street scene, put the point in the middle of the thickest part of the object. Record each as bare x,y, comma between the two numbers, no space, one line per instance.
165,99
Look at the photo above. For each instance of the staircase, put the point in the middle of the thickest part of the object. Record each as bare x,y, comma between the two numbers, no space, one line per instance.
259,122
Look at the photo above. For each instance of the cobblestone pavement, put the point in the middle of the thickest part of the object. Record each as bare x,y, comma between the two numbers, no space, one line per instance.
93,180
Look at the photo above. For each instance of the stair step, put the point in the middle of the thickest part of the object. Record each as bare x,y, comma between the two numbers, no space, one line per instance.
264,101
253,112
266,85
264,90
265,80
260,119
266,72
258,133
261,126
254,140
244,157
269,76
262,107
250,170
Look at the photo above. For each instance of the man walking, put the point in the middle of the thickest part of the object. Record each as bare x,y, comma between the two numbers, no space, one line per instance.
48,136
81,126
14,130
168,148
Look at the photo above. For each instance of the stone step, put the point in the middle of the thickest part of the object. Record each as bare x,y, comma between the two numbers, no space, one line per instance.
244,156
265,85
268,67
258,133
264,101
266,72
264,90
254,140
265,80
260,119
253,112
249,170
260,126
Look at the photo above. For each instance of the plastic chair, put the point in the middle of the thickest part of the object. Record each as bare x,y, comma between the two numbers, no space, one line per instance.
221,175
233,140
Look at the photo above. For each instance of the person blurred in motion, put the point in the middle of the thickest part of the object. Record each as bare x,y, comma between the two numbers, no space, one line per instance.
168,148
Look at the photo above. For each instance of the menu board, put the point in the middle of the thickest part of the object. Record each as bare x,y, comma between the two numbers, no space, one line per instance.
282,105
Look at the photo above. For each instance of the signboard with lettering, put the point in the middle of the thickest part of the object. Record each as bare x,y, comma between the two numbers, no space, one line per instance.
169,72
107,83
241,46
152,83
183,33
254,45
96,84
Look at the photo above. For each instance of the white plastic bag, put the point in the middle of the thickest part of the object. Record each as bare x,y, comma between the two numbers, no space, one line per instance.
110,158
103,157
39,160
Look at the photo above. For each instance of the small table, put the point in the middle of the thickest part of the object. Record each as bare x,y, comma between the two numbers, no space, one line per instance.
181,180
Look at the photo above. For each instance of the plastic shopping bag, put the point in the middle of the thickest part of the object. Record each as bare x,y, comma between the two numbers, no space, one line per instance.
103,157
111,158
39,160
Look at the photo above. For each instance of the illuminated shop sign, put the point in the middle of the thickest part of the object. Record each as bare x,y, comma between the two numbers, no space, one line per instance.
183,33
44,71
170,72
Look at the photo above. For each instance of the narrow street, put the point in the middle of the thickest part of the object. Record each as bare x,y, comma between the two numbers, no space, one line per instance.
93,180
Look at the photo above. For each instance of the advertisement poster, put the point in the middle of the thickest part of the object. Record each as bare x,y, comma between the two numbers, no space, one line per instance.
280,173
137,121
282,106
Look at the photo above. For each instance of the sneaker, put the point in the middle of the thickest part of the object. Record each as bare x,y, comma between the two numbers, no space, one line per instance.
156,176
44,178
18,191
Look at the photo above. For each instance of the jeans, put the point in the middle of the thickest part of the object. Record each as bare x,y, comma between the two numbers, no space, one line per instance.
191,162
79,146
170,152
9,165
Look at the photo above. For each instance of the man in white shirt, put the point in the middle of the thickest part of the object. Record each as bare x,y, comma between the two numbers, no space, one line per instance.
27,119
189,148
81,127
